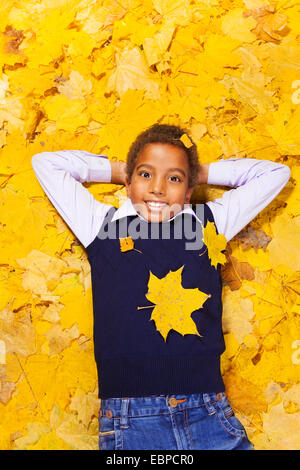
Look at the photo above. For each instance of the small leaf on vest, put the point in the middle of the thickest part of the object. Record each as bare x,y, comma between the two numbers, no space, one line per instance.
126,244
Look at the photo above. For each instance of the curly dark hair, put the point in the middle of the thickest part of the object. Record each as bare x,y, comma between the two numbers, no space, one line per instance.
164,133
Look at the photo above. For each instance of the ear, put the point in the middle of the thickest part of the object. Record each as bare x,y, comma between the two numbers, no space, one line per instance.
128,186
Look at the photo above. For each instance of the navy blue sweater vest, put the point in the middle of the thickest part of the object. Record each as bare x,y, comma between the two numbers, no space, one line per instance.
133,358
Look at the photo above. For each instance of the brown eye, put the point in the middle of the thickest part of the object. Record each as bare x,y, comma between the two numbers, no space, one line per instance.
178,179
144,173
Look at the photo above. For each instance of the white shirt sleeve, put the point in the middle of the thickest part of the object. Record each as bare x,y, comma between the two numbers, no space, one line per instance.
60,174
257,183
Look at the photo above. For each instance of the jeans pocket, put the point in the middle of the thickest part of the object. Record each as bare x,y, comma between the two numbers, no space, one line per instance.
107,440
228,419
107,433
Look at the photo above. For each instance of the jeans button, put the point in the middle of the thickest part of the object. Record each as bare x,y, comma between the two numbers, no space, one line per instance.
173,402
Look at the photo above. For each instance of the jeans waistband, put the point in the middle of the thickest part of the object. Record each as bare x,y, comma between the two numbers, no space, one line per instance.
157,404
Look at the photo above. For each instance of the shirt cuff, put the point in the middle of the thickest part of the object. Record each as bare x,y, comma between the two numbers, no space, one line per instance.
222,172
100,169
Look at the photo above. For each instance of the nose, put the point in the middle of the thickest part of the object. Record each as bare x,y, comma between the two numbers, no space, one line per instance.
157,185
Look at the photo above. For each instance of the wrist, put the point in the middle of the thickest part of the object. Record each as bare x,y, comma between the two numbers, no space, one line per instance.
203,173
118,173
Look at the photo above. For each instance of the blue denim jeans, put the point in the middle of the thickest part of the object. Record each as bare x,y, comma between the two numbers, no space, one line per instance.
201,421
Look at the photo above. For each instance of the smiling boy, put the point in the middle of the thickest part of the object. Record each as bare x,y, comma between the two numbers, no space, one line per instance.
160,183
159,392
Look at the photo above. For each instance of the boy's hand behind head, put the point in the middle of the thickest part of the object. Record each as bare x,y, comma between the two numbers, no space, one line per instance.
203,173
118,172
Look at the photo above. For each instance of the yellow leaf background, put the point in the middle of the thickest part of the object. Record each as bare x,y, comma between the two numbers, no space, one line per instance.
229,73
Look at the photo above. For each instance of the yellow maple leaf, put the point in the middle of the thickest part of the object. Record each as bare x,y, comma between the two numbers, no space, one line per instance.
282,428
186,141
155,47
74,433
17,332
174,304
132,72
68,114
215,244
284,247
77,87
126,244
236,25
284,128
86,405
237,314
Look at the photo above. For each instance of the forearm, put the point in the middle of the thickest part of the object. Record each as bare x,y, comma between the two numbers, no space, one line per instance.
256,182
203,173
60,175
80,165
118,173
235,172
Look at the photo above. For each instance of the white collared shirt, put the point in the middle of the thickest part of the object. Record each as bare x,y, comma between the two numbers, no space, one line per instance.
127,208
61,174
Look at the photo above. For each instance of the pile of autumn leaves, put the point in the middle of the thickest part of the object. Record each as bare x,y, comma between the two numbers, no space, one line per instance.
228,74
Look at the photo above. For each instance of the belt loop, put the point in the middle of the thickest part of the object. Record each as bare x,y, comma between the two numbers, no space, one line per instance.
208,404
124,413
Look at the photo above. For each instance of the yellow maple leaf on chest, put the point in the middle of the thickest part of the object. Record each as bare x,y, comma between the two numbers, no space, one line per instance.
215,244
174,304
126,244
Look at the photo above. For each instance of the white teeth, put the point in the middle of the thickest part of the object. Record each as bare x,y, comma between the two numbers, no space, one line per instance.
157,204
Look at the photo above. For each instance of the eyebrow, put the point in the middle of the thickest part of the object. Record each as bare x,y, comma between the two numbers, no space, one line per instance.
170,169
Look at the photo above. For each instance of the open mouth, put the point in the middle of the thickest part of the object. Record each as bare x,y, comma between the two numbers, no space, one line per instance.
156,206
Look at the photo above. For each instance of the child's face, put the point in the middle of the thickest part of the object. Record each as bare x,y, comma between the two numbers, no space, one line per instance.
160,175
